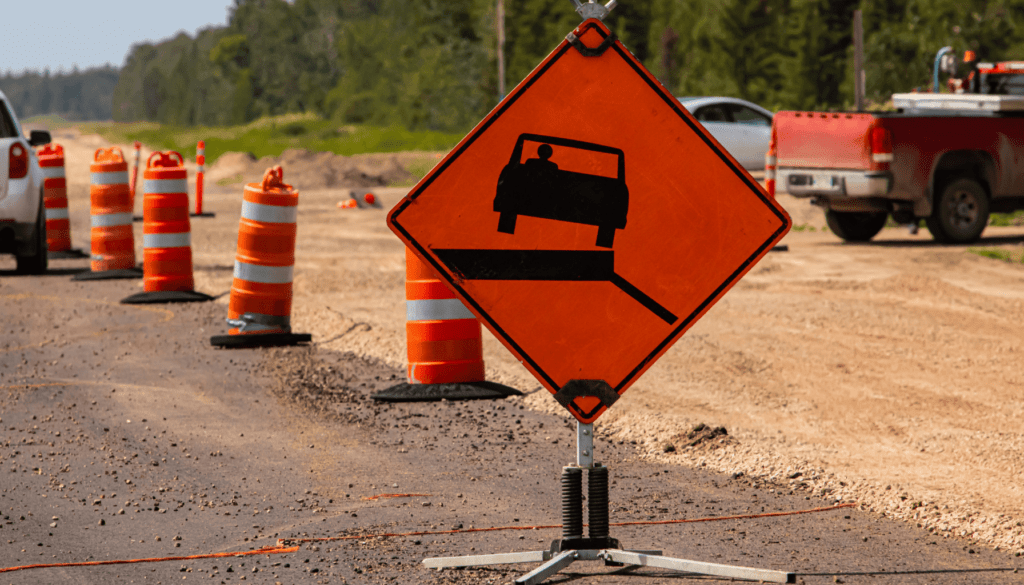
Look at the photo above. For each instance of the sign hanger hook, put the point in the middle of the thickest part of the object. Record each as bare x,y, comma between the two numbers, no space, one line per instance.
591,9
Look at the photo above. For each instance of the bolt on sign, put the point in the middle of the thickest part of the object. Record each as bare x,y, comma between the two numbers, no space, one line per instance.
588,221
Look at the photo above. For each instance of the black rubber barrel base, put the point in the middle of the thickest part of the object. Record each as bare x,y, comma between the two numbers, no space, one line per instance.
67,254
203,214
109,274
138,218
260,340
780,248
433,392
166,296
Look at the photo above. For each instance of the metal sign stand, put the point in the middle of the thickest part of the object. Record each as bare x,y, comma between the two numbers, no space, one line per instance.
598,546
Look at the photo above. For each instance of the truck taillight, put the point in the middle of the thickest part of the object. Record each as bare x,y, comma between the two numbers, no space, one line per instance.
18,157
771,162
881,146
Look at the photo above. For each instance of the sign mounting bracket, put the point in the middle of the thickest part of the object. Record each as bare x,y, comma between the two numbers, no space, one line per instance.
591,9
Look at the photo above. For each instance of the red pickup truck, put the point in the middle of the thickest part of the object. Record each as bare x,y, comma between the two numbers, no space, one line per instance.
950,159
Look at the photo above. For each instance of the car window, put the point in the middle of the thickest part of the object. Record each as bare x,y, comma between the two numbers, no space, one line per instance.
745,115
7,129
575,160
714,113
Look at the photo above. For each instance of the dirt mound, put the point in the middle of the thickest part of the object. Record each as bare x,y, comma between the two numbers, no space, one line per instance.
702,435
313,170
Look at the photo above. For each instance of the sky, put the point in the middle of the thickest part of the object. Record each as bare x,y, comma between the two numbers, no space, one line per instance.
59,34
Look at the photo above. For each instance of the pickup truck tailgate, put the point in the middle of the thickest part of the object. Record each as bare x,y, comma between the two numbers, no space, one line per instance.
823,140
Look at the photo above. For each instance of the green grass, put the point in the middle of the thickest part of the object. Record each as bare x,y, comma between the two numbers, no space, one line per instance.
272,136
805,227
1007,219
997,254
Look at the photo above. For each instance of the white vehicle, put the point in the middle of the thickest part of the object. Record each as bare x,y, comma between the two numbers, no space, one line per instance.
22,215
743,128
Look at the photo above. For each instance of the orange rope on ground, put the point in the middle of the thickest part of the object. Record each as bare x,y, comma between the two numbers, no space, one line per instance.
378,496
741,517
285,541
270,550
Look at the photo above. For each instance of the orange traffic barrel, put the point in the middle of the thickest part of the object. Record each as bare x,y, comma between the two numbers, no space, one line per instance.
55,200
166,238
444,343
113,242
260,306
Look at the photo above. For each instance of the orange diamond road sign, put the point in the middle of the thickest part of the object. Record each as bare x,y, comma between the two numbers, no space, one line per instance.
588,221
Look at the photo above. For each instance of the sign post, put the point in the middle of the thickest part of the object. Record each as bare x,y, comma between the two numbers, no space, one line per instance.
588,222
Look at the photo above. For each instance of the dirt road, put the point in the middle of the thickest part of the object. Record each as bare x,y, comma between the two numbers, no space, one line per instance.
885,374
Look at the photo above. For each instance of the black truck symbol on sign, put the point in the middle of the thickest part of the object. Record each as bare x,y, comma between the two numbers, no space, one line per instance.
536,187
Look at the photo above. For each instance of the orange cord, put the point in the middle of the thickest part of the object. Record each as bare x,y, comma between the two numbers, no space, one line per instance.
282,543
270,550
377,497
741,517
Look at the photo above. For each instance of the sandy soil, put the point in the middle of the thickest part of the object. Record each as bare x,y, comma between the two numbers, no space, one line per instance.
887,374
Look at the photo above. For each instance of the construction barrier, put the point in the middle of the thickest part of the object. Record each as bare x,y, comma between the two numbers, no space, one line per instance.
443,338
166,238
360,201
200,173
113,243
259,310
55,200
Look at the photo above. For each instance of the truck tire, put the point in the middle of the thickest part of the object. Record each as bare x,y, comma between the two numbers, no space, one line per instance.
856,226
36,263
961,212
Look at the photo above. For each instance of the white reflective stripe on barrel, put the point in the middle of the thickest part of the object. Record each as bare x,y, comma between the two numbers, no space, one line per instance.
161,186
769,174
109,178
57,213
882,157
180,240
263,274
53,172
201,169
770,161
436,310
111,219
269,213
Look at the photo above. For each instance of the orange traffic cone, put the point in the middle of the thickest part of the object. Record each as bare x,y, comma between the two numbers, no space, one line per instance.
444,343
200,173
55,198
167,238
260,307
113,243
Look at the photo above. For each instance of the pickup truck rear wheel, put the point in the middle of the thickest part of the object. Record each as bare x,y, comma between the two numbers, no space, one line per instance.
961,212
856,226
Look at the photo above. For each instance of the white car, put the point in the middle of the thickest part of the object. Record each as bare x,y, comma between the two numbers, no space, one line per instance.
22,215
743,128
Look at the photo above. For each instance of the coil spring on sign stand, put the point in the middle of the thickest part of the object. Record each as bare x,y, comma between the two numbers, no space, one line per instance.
597,506
572,503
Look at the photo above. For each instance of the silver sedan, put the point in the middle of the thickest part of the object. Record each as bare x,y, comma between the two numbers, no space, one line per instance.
743,128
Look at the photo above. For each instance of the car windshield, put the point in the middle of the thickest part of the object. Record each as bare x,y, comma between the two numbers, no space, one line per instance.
745,115
576,160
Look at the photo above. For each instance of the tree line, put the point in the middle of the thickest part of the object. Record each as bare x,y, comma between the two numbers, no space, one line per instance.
76,95
432,64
